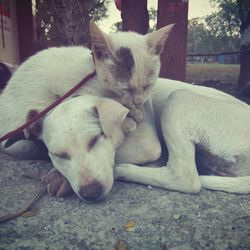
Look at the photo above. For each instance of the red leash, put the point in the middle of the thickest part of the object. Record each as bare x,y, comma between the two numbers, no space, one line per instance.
50,107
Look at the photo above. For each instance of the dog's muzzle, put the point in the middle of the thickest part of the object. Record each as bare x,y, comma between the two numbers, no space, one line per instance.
91,192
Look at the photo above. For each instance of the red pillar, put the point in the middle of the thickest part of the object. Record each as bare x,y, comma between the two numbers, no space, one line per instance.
25,28
173,57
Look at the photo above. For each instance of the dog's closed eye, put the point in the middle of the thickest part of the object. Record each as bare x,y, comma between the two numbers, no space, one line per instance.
62,155
94,140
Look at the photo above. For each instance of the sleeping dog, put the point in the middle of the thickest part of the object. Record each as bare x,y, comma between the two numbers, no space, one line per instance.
199,126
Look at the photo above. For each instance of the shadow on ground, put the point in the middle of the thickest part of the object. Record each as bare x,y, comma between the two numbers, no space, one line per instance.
163,219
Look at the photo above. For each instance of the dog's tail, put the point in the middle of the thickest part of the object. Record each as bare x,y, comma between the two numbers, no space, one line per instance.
238,185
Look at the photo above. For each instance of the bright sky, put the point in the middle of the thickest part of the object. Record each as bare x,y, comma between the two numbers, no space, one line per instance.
197,8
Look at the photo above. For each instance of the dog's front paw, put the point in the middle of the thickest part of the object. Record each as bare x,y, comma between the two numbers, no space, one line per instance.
136,114
128,125
57,184
121,171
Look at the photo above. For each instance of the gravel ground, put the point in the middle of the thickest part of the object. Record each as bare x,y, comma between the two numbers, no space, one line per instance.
158,219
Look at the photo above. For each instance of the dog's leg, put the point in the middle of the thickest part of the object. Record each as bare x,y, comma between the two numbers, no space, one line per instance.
166,177
57,184
180,174
23,149
238,185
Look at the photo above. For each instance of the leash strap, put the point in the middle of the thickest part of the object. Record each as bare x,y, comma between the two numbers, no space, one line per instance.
46,110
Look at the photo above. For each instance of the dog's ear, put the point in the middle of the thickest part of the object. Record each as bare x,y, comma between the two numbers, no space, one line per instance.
157,39
111,115
35,129
100,41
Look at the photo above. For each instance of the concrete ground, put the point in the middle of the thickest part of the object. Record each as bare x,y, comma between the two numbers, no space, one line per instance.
160,219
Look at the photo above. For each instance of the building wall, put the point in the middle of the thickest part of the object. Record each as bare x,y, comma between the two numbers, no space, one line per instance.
9,48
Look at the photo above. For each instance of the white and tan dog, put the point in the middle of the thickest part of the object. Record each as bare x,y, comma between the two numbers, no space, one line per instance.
201,127
196,124
127,66
82,137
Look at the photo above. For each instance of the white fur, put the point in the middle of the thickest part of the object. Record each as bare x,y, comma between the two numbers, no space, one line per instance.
184,114
187,115
38,82
69,128
145,62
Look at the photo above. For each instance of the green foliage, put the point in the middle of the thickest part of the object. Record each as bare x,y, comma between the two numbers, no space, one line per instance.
216,32
202,39
97,9
152,15
225,21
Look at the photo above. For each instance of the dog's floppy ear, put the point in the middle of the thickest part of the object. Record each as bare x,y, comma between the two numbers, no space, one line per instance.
100,41
156,39
35,129
111,115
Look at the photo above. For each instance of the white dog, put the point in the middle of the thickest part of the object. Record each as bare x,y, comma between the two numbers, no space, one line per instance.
81,137
200,126
127,65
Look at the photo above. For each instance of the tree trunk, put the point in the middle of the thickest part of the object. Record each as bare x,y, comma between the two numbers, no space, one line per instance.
173,57
244,77
25,28
62,22
134,15
75,22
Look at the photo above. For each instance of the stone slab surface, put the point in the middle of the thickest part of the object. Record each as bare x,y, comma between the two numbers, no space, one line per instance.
163,219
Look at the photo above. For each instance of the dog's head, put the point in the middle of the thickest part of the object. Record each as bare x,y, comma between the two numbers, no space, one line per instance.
82,135
128,62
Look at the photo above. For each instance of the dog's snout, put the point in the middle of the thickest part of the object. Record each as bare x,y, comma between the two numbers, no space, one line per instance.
91,192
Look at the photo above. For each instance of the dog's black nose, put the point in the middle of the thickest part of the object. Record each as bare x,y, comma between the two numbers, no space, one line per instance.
91,192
